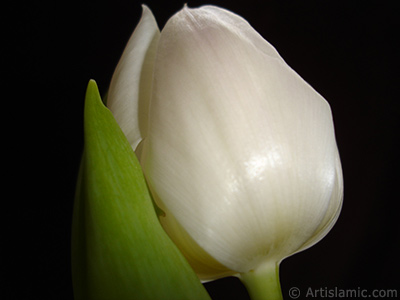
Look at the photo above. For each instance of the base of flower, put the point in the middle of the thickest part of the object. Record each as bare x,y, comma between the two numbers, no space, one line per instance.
263,282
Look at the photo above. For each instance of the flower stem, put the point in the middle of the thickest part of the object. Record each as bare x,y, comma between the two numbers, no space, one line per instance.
263,282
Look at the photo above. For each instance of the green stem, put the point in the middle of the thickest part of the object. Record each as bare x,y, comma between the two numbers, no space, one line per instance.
263,282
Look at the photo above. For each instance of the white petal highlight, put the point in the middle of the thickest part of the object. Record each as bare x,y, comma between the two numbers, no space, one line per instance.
130,87
240,149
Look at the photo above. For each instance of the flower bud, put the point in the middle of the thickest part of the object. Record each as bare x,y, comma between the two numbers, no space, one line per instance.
238,150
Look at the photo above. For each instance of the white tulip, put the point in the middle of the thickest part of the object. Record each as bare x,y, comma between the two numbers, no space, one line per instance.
238,150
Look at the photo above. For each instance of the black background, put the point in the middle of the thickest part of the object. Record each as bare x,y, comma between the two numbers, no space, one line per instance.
344,49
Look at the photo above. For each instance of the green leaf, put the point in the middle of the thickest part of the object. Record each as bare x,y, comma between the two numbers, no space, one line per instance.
119,249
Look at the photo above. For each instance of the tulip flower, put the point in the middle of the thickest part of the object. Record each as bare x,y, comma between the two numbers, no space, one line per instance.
238,150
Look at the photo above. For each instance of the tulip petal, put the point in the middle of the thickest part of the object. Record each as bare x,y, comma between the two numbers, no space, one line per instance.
119,249
333,211
130,87
207,268
240,149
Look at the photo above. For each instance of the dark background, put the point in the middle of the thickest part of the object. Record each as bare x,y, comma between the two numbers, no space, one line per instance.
344,49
